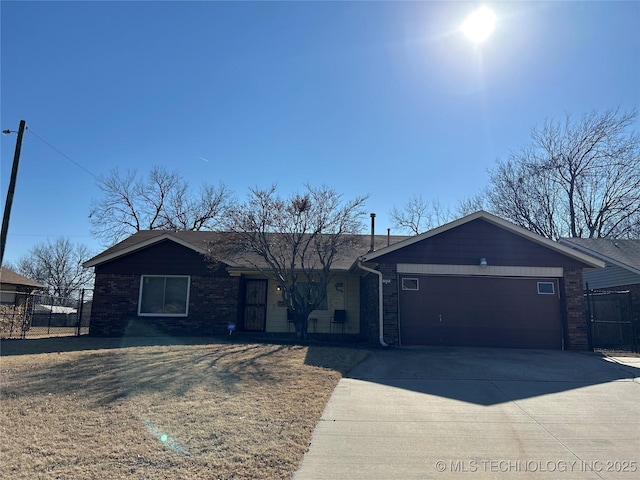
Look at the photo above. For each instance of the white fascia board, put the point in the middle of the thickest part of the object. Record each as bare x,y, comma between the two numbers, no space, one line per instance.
477,270
139,246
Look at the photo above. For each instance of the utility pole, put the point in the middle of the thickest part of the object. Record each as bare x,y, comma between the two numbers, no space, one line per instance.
12,188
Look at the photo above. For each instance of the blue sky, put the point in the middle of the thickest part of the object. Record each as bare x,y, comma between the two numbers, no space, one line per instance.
381,98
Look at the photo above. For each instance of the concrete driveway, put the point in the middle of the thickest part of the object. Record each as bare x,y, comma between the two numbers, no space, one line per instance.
444,413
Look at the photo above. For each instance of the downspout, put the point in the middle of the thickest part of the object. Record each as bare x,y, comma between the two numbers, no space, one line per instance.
380,301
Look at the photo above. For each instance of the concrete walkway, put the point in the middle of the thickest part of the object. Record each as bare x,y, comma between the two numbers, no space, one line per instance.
443,413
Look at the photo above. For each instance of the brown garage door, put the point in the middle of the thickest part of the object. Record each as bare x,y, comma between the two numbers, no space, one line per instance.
480,311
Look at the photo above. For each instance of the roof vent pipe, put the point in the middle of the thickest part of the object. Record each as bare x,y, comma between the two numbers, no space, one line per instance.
373,230
388,237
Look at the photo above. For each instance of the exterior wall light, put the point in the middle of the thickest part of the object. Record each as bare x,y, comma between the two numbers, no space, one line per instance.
483,262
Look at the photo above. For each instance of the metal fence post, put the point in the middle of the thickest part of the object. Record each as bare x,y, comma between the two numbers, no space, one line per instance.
26,319
589,319
634,321
80,306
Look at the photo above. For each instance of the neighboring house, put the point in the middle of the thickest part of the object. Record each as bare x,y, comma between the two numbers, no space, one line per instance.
16,301
12,283
622,265
477,281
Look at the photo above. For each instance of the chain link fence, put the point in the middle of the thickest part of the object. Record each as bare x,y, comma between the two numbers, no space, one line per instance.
25,315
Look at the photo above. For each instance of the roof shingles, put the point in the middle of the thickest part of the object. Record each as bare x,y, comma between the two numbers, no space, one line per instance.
9,277
624,252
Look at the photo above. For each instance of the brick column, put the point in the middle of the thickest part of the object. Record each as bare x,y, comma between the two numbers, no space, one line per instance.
576,328
390,303
369,309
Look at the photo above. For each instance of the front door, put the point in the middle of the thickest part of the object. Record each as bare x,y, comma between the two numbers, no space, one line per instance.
255,305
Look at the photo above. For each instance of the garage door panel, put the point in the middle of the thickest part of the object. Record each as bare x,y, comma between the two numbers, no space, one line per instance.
480,311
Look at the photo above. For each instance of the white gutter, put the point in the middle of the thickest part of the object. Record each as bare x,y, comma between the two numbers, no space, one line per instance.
380,301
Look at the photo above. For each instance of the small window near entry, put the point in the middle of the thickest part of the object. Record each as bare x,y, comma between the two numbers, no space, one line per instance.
164,296
545,288
410,284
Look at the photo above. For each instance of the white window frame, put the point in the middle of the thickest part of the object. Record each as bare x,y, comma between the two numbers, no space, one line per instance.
143,314
553,288
413,279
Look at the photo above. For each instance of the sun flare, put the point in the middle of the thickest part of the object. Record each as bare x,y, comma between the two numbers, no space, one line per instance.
479,25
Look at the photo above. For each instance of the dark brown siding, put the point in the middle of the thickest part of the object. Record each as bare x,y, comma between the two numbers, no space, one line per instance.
468,243
163,258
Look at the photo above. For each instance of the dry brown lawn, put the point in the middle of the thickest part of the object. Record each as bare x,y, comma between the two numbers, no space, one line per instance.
190,411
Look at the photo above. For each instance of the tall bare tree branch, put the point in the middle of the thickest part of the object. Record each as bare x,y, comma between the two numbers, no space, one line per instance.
577,178
417,215
160,201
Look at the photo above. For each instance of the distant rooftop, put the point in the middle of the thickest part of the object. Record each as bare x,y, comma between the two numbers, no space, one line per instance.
624,252
9,277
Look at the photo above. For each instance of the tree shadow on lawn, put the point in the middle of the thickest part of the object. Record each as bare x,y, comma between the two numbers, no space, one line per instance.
105,377
29,346
105,370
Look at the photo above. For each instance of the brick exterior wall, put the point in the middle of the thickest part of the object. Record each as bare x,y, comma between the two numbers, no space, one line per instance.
390,303
213,304
369,321
115,303
576,335
369,309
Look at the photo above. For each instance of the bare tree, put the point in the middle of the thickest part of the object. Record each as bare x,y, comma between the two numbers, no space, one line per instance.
471,204
161,201
577,179
204,212
293,241
58,266
418,216
527,196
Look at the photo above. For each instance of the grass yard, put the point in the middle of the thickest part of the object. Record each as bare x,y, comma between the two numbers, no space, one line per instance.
184,411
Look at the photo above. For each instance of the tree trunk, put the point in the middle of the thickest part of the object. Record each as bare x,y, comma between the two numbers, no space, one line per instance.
572,208
302,324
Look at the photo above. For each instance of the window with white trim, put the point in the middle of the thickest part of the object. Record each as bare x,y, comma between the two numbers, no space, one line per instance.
410,284
545,288
166,296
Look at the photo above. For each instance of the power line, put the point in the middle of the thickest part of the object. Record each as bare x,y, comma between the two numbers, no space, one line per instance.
31,132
